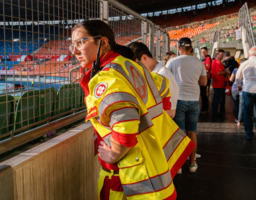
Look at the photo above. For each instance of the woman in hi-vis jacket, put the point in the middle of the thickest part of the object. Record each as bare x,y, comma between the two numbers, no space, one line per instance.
139,147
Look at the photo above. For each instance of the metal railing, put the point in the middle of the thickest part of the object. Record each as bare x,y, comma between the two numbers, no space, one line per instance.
39,78
224,35
245,22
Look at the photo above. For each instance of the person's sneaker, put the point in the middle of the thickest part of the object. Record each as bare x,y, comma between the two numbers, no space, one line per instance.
180,171
197,156
236,121
193,168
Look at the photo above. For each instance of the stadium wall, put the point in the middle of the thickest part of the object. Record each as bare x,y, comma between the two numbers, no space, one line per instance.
61,168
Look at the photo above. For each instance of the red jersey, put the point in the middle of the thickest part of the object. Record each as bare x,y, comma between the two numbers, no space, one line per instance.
217,80
207,63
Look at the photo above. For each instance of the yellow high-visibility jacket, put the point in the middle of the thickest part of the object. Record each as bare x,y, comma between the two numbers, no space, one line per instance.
125,102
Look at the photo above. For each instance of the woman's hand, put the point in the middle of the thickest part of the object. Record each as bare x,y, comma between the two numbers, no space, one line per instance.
113,154
104,152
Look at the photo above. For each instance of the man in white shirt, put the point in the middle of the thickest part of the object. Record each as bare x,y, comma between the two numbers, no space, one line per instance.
144,56
247,71
189,72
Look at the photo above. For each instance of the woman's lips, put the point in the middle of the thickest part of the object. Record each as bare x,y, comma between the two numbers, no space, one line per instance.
80,59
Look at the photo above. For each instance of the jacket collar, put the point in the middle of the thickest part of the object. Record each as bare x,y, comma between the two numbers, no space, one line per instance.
105,59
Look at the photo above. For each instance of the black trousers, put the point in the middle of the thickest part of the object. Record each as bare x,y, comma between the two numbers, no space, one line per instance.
203,92
222,103
205,103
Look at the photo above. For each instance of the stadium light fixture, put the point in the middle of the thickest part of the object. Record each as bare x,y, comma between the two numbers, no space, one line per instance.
16,39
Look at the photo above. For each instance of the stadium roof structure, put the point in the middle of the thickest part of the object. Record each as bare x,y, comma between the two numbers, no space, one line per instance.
144,6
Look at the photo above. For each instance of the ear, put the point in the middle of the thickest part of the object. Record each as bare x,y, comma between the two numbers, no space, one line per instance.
144,58
104,43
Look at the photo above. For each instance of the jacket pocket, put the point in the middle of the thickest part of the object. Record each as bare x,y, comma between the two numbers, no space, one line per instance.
132,168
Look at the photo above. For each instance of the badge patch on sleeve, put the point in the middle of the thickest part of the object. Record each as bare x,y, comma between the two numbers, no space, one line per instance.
100,89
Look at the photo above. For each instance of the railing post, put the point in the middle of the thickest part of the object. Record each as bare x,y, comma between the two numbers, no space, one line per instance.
167,41
144,32
104,11
158,45
163,48
151,39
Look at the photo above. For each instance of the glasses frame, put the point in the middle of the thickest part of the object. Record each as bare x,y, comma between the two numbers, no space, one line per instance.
73,45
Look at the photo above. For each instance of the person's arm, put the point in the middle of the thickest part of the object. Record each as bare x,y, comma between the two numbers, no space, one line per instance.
222,73
239,76
113,154
124,122
203,76
232,78
175,93
203,80
171,113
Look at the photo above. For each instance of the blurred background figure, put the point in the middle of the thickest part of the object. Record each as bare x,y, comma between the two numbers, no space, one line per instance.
237,97
144,56
247,72
204,90
169,55
189,73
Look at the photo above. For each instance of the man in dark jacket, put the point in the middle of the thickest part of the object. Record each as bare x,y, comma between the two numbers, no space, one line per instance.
231,64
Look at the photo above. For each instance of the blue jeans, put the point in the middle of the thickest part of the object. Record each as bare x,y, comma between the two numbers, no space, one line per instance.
238,105
249,99
218,95
187,113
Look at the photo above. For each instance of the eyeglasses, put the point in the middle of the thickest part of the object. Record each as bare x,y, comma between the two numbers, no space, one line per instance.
79,43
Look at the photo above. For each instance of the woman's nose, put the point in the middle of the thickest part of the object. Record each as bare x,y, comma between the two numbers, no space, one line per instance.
76,51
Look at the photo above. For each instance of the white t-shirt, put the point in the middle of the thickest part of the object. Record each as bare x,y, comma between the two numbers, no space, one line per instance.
187,71
162,70
247,71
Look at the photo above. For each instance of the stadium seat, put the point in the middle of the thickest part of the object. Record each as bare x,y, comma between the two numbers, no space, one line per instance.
6,114
33,107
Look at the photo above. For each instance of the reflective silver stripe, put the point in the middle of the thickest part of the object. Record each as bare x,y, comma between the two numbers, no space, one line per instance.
152,85
156,110
165,94
115,98
163,86
128,65
173,143
145,122
161,181
124,114
138,188
148,186
107,139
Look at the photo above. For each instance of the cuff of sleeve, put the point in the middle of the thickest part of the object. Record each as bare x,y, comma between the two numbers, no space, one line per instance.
127,140
166,103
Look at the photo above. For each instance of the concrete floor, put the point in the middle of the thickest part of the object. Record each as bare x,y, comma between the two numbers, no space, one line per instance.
227,169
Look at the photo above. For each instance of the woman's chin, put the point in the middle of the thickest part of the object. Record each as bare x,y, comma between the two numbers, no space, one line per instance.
86,65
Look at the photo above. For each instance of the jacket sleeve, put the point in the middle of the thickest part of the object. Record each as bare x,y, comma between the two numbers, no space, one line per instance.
162,84
120,111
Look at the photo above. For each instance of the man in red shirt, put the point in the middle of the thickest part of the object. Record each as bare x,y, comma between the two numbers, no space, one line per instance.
218,81
204,89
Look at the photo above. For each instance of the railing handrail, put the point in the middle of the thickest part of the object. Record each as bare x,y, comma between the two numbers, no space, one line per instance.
245,22
135,14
